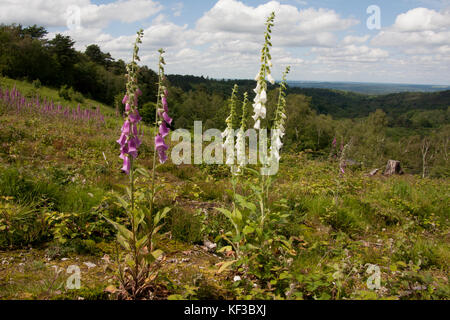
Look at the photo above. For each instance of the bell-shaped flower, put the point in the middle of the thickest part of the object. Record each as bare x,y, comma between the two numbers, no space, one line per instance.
135,117
122,140
270,79
125,99
132,148
166,118
257,125
126,165
263,96
126,128
163,130
165,104
161,148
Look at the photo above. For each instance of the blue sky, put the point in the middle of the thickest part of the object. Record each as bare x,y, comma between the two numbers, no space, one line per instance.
323,40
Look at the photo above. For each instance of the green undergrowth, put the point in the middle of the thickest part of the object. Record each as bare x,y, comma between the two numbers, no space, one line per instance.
58,178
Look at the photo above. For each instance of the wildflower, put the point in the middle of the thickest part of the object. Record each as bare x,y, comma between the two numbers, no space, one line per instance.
259,106
161,148
129,141
162,115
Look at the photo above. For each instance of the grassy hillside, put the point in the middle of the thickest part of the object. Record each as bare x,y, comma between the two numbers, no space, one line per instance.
30,90
57,179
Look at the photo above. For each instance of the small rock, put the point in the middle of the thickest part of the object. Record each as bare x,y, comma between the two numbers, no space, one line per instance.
210,245
64,259
237,278
186,260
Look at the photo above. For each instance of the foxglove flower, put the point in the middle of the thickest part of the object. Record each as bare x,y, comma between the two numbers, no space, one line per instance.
161,148
259,106
129,141
163,118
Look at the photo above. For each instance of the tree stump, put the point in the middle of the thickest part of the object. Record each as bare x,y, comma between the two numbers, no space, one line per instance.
393,167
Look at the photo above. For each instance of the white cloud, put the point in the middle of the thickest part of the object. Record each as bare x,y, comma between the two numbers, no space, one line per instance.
53,13
417,30
350,53
294,27
178,9
355,39
420,19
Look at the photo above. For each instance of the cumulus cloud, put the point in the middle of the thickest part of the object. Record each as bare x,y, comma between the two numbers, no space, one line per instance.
294,27
419,29
54,13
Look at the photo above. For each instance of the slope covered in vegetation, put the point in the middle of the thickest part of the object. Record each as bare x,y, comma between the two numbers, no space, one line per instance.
57,179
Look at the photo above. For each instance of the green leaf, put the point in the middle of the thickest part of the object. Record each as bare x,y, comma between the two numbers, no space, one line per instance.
122,202
224,249
157,253
248,230
226,265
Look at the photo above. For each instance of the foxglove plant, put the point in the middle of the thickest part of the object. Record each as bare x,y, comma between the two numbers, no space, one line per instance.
162,114
254,238
259,105
16,101
137,243
129,141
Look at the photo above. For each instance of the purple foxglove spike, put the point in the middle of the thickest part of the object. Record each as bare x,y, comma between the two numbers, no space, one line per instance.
163,130
125,99
139,92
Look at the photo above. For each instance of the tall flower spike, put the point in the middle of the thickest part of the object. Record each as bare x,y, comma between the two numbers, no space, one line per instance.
162,113
129,141
278,129
259,106
228,134
240,137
